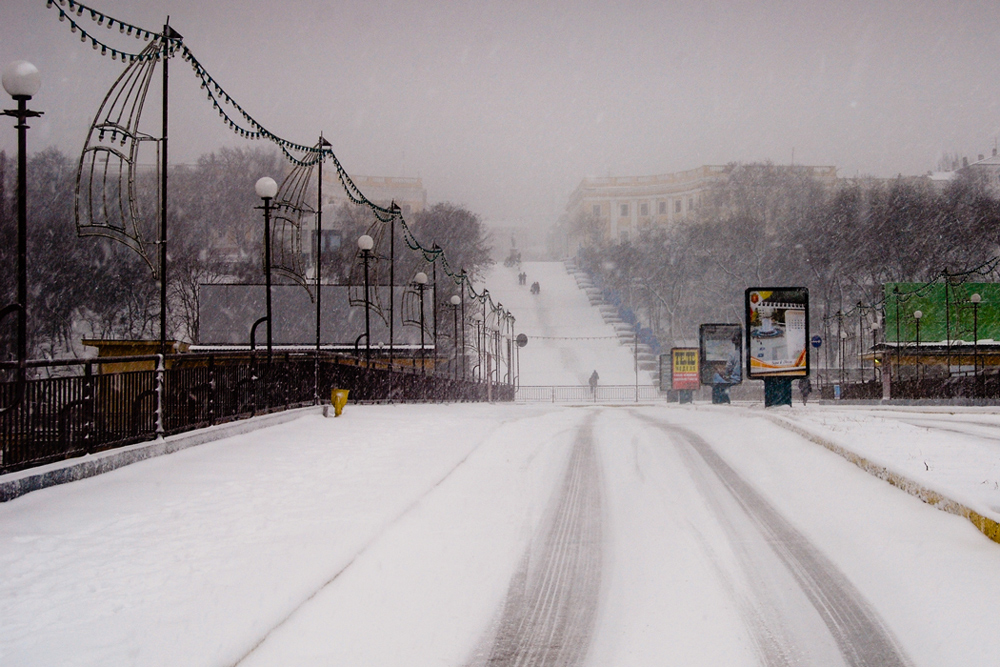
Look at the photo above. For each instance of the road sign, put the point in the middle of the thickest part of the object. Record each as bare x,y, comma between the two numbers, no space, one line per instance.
816,341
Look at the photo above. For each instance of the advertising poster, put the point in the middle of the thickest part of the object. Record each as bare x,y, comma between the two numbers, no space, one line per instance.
720,359
777,331
666,371
685,368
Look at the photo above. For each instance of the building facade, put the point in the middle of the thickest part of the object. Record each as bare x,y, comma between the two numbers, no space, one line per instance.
620,208
407,193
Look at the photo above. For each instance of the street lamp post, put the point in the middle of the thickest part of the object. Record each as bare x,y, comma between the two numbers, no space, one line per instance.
975,299
874,343
455,301
510,349
464,325
895,291
266,189
21,81
420,280
917,314
840,345
476,319
843,361
365,244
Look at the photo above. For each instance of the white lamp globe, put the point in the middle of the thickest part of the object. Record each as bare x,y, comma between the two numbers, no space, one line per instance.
365,242
455,300
420,278
266,188
21,79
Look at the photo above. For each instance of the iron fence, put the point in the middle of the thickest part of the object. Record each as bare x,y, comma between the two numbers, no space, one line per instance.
985,386
71,408
582,394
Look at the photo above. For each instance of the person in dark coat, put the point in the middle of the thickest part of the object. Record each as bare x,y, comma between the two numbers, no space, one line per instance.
805,388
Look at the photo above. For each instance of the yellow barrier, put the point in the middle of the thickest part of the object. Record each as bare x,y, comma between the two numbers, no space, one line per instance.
339,399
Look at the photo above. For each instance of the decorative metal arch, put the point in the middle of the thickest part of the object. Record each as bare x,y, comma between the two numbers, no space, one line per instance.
106,202
290,206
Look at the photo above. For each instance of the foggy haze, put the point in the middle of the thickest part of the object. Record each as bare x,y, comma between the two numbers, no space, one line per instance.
504,107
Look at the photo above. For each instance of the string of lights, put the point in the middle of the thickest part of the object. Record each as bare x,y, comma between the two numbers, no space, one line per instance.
989,267
243,124
77,9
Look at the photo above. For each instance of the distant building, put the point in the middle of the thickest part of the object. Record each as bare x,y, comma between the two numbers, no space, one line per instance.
986,170
407,193
619,208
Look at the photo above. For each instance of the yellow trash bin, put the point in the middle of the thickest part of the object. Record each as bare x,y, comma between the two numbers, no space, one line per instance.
339,399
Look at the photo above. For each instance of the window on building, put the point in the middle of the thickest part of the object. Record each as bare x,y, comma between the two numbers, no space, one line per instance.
643,209
690,203
623,236
677,206
663,208
624,210
596,210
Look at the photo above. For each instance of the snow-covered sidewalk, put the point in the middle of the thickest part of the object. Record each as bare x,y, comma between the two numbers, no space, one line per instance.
953,452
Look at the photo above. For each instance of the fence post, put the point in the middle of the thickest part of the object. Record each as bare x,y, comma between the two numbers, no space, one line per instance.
160,393
287,377
211,390
89,425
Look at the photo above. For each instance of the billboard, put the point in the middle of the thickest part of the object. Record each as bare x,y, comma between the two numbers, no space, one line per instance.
720,354
684,368
777,322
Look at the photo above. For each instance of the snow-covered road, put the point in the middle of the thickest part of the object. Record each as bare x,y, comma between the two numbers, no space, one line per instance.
624,536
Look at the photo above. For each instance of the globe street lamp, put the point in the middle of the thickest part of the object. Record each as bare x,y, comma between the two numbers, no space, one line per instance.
420,281
455,302
365,244
975,299
266,189
21,81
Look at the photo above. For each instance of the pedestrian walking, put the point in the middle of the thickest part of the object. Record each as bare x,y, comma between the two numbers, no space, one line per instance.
805,388
594,377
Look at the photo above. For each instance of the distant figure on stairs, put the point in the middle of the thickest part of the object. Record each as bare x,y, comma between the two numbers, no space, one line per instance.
593,381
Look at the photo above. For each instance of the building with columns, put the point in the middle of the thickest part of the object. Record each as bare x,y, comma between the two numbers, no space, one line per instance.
620,208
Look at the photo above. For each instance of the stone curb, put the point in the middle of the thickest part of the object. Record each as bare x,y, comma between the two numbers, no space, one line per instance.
986,526
17,484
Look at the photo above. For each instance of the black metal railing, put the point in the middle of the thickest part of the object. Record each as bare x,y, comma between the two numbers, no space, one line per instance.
72,408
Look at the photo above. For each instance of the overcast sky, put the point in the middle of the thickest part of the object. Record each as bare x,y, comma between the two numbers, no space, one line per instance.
505,106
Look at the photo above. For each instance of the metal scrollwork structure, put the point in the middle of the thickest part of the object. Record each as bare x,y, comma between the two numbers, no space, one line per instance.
107,203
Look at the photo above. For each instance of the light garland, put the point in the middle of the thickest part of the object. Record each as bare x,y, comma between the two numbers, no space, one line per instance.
250,128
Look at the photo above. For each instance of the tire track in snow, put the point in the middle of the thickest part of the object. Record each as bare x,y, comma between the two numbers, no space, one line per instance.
549,613
860,635
374,538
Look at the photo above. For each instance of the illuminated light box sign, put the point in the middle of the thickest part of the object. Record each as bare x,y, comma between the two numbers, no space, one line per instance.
720,358
684,368
777,332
